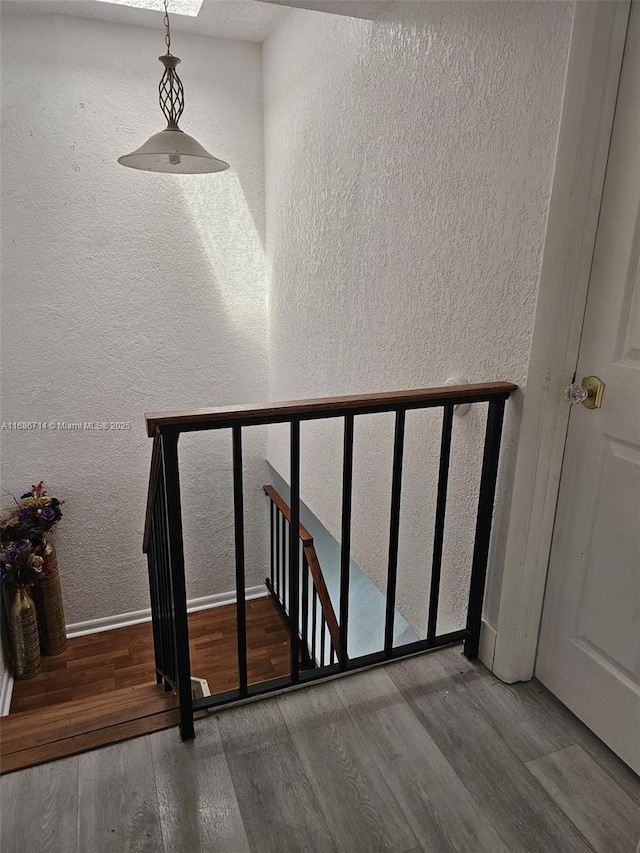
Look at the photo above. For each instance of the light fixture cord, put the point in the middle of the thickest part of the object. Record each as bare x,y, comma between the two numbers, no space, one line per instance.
167,35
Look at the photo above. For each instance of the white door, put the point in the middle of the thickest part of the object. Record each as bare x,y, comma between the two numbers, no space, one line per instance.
589,650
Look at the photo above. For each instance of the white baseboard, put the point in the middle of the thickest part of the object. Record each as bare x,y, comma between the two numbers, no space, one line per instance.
6,692
487,648
122,620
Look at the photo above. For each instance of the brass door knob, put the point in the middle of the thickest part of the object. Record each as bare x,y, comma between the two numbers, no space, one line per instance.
589,393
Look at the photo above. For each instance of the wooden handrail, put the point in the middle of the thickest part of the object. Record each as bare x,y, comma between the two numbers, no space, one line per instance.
314,567
305,537
326,407
323,596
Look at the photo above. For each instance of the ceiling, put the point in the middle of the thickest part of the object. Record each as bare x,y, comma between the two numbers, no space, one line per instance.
371,9
246,20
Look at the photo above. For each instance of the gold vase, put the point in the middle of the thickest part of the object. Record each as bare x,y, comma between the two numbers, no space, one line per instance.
23,628
48,600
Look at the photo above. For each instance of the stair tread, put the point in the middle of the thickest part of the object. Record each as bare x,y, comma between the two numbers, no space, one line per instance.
31,756
29,729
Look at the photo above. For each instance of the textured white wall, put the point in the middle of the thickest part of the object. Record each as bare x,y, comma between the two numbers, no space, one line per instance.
408,173
125,292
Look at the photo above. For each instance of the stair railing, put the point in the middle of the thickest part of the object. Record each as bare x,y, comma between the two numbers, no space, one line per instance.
319,634
164,546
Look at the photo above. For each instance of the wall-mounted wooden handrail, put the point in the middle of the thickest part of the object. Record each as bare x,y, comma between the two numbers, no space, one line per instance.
327,407
314,567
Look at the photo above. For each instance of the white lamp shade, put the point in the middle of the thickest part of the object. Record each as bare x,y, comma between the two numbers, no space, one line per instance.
174,152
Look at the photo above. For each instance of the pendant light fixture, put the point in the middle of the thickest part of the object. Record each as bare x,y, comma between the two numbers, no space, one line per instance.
172,150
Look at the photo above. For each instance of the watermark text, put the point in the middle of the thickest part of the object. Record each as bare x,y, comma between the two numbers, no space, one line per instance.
65,426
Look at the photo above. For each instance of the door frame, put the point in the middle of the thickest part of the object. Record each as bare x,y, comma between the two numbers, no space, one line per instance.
593,72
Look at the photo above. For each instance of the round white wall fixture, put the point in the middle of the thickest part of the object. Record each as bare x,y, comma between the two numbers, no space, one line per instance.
463,408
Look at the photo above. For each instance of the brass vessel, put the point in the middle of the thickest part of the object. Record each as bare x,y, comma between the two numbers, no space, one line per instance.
23,628
48,601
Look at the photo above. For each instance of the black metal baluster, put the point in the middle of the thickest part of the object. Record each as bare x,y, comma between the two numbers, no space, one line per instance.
178,586
278,556
305,600
167,624
285,566
170,656
314,623
155,533
238,518
271,542
149,547
166,618
486,498
294,551
284,540
396,488
323,640
170,662
345,552
441,506
155,605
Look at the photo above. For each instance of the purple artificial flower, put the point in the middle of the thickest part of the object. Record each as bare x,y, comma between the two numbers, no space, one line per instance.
25,513
17,565
48,514
16,551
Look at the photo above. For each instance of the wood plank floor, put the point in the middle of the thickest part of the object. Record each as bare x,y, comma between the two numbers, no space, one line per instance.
102,689
426,755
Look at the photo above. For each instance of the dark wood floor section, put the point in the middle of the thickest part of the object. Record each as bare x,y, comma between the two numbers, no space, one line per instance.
102,689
